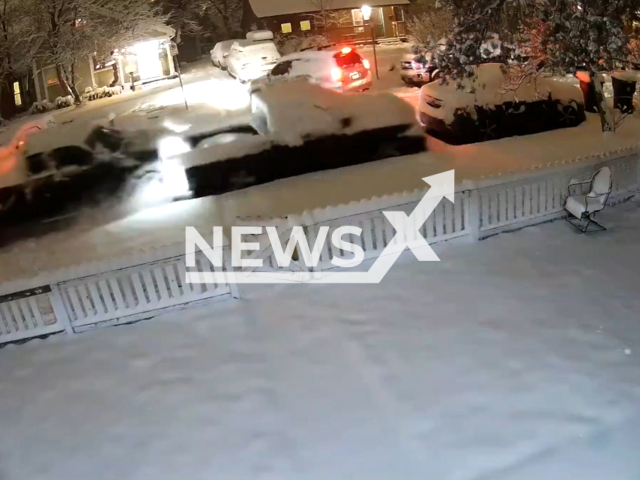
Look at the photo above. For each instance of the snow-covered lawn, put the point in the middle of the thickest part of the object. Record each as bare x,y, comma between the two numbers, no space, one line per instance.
514,358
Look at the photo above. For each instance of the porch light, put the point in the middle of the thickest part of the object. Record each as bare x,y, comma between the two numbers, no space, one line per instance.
149,65
366,12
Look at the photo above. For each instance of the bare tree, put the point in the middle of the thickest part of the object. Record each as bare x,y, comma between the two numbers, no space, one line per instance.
184,16
68,31
228,13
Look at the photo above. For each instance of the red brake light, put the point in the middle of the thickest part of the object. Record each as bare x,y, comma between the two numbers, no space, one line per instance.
346,50
336,74
366,63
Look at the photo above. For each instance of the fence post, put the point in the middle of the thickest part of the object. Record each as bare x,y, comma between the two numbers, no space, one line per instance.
59,309
473,219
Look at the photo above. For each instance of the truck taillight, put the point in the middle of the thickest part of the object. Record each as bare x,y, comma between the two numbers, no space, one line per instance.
336,74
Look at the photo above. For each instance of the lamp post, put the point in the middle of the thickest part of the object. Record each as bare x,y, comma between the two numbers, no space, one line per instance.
366,16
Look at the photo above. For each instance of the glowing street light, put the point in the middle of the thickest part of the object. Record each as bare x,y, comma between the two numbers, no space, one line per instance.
366,12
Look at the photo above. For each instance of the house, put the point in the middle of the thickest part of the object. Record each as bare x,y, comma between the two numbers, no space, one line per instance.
146,60
342,21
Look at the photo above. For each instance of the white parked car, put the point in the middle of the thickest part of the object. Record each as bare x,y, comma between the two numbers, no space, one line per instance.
341,69
220,53
478,109
249,60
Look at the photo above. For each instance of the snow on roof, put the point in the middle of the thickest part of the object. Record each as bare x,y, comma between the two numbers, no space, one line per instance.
486,89
298,109
271,8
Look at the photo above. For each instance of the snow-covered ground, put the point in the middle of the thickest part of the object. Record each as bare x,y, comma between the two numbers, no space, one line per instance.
515,358
203,85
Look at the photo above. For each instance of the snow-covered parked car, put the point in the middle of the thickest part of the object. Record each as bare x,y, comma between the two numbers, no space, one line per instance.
417,69
478,109
220,52
45,167
335,68
249,59
13,167
296,128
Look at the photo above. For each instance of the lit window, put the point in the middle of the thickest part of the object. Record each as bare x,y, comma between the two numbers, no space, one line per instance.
358,19
16,94
305,25
286,28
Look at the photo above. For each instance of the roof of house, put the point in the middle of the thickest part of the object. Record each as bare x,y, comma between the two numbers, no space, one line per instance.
271,8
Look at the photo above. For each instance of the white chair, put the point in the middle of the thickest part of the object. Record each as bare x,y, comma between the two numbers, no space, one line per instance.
584,207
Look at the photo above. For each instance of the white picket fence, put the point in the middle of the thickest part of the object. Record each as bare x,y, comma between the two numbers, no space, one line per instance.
127,290
116,297
480,210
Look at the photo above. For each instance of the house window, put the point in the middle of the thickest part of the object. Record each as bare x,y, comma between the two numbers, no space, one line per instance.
286,28
358,20
305,25
16,94
356,15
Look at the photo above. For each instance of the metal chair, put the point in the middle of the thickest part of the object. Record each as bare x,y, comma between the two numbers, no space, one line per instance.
584,207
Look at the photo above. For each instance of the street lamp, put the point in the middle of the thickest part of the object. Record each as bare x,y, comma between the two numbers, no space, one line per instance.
366,16
366,12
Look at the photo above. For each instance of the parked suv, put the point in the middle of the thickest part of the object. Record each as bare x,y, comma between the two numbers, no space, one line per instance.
341,69
220,53
249,60
416,69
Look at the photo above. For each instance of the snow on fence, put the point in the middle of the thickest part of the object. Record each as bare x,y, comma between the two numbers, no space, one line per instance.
30,313
129,289
480,210
116,296
133,293
516,204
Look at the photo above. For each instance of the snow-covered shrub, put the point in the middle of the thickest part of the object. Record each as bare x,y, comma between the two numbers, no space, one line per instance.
491,47
91,93
41,107
64,102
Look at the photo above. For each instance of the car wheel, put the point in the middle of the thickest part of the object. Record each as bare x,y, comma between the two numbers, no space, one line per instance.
569,115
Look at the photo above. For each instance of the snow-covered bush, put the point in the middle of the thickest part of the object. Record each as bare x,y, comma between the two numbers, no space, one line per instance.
291,43
64,102
41,107
91,93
